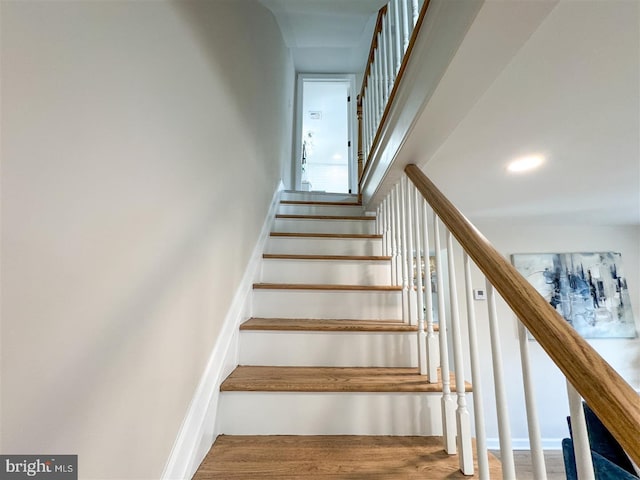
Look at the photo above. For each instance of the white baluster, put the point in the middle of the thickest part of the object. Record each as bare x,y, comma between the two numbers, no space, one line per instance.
478,408
389,232
405,26
380,81
370,110
376,93
385,236
422,336
535,443
383,61
581,446
413,311
398,237
406,316
415,9
398,34
394,248
504,430
432,340
366,110
390,47
447,404
465,453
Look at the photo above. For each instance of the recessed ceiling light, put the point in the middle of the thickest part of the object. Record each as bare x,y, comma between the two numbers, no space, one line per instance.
525,164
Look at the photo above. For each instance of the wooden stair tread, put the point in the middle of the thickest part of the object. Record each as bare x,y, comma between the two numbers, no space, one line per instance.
324,325
321,203
325,235
327,257
325,217
331,379
326,287
332,457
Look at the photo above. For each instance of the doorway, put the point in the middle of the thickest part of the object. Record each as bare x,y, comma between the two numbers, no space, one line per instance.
325,159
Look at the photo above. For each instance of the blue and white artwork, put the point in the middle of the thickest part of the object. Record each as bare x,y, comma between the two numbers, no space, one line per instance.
588,289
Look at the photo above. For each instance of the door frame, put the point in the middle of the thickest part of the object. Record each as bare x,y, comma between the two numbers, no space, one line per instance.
349,78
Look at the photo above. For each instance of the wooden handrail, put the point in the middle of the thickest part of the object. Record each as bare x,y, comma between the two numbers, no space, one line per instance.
609,396
396,83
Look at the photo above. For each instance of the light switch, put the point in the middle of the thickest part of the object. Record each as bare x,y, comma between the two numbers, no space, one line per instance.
479,294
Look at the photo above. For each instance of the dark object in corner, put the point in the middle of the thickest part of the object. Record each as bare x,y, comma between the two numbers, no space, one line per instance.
610,462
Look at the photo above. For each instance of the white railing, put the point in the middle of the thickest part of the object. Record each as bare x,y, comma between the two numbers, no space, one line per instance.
409,227
390,44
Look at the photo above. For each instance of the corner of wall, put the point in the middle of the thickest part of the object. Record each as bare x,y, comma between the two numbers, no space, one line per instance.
199,427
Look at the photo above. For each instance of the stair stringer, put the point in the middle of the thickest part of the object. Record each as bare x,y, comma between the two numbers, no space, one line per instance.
199,427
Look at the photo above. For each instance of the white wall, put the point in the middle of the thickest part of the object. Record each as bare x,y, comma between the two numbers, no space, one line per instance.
141,146
622,354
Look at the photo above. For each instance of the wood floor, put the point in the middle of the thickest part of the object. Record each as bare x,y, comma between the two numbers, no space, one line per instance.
553,461
331,457
331,379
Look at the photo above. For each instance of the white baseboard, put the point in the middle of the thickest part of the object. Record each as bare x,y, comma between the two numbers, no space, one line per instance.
523,443
198,429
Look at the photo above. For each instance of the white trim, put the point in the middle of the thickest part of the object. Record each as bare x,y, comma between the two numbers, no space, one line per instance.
352,125
523,443
198,429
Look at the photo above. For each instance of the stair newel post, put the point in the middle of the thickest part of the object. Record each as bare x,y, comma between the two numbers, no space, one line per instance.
579,433
422,336
411,271
406,316
535,442
432,340
478,407
398,33
465,452
405,25
447,404
504,430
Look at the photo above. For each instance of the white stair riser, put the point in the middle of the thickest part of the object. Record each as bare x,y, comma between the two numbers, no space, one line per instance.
318,197
356,210
297,225
328,349
324,246
360,305
343,272
308,413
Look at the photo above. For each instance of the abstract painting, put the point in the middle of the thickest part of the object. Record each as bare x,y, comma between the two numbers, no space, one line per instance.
588,289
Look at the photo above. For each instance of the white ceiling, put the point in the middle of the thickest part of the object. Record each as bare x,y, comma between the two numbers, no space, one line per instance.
327,36
565,85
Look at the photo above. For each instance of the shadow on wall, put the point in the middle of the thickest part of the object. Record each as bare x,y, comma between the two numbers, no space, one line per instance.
246,79
117,348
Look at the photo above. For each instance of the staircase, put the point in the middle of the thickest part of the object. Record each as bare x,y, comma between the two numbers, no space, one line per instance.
326,352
